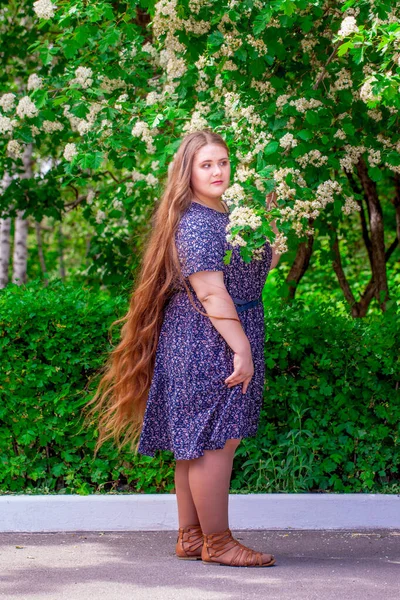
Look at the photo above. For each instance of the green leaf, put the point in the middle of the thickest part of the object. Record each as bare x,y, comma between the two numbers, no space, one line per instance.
343,48
312,117
92,160
261,21
375,173
215,39
271,148
305,134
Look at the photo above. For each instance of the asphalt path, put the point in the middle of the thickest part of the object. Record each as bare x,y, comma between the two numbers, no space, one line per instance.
141,565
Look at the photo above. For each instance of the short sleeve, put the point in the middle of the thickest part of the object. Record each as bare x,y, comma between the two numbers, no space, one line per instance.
200,247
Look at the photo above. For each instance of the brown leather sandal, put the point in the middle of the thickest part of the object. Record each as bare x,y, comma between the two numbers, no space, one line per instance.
217,544
189,542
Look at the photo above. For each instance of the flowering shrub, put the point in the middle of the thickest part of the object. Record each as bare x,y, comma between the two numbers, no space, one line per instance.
303,92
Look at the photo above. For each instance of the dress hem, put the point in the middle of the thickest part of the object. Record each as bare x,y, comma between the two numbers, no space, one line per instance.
218,445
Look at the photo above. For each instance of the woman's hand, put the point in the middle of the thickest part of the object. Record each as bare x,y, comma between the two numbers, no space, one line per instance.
243,370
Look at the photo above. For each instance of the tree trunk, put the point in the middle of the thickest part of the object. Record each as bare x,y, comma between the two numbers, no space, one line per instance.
20,256
299,266
5,228
377,235
40,250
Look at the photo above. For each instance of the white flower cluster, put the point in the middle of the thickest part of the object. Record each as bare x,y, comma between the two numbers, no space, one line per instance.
148,48
109,85
343,81
314,157
242,216
263,87
197,27
351,157
243,173
196,5
326,190
121,98
6,124
340,134
350,205
347,27
288,141
375,114
150,179
14,149
280,243
258,44
302,104
307,44
234,194
282,100
26,108
90,196
229,65
51,126
366,93
308,209
141,129
153,98
83,77
374,157
283,191
7,101
100,216
196,123
34,82
70,151
82,126
44,9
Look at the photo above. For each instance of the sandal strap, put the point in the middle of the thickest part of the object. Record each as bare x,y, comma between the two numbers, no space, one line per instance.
192,537
220,543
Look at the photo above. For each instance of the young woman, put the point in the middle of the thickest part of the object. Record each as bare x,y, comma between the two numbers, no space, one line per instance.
188,374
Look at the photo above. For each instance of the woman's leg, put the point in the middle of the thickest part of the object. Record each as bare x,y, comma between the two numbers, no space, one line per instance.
187,513
209,481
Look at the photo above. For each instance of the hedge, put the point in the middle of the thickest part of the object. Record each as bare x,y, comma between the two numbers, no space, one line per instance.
330,417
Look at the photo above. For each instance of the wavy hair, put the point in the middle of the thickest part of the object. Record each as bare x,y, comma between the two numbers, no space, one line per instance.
121,396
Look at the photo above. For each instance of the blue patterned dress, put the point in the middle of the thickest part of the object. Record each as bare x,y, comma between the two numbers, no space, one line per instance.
189,408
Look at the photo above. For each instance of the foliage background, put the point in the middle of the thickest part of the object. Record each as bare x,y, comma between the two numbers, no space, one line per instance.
95,98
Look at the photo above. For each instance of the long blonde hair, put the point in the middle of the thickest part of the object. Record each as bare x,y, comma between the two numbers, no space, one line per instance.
122,393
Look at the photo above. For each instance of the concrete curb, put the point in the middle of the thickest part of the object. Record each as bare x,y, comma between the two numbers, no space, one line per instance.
158,512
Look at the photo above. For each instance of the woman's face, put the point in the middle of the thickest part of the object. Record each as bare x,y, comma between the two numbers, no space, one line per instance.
211,171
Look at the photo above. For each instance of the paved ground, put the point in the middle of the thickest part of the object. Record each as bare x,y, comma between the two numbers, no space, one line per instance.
310,565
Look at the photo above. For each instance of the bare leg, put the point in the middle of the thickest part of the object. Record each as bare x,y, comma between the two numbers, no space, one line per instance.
209,480
187,513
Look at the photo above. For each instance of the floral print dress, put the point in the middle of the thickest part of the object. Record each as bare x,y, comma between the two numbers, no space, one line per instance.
189,407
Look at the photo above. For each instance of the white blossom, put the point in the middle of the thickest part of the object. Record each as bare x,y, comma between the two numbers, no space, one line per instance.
14,149
34,82
288,141
44,9
350,205
51,126
100,216
83,77
6,124
26,108
70,151
348,26
7,101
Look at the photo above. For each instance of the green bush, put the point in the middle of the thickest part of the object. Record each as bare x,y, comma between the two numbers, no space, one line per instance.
330,420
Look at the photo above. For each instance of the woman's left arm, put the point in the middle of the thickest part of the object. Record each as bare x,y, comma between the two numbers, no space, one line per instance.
271,199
